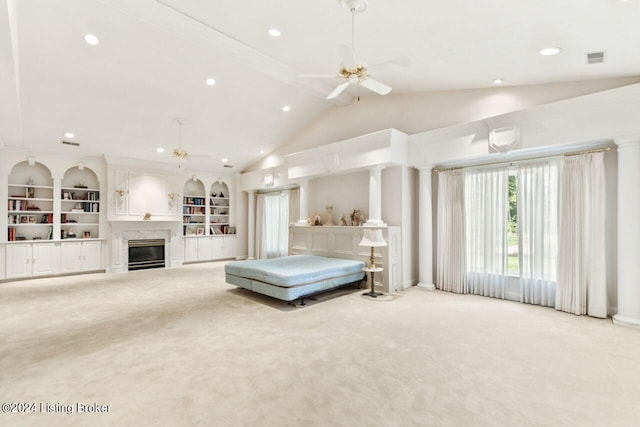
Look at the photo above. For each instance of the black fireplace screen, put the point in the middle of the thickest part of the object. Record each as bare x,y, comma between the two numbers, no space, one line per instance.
147,253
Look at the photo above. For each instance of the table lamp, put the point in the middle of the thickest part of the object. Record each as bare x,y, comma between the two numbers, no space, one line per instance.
372,238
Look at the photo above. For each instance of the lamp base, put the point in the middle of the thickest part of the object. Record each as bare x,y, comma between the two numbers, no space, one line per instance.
373,294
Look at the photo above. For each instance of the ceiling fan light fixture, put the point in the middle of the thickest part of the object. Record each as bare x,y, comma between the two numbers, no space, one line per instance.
69,135
274,32
498,81
356,6
210,81
286,108
159,150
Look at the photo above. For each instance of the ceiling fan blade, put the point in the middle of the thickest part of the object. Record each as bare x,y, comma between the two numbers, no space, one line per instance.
317,76
376,86
402,61
347,56
338,90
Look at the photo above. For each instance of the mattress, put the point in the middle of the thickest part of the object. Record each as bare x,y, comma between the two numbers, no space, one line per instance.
295,270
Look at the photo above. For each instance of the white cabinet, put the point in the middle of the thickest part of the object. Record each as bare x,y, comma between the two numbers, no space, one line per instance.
197,249
223,246
30,259
91,256
80,256
207,248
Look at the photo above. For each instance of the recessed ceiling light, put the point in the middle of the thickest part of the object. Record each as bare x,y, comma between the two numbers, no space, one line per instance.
261,151
225,160
274,32
160,150
91,39
211,82
286,108
498,81
69,135
549,51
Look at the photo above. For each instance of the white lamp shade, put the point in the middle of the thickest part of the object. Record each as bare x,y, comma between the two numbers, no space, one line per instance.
372,238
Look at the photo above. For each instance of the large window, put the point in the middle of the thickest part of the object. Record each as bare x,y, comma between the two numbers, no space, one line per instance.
513,259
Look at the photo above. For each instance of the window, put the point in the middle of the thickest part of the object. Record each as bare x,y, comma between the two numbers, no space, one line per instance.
513,259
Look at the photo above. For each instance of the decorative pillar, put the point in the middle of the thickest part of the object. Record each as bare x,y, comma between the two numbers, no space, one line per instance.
251,235
375,197
425,231
628,232
304,203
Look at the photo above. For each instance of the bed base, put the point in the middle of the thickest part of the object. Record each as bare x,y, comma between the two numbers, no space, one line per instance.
312,296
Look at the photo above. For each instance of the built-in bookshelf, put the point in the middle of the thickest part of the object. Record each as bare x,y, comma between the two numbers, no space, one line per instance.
79,204
31,200
194,208
30,203
219,208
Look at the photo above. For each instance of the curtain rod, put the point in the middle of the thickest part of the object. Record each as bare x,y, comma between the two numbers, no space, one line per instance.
574,153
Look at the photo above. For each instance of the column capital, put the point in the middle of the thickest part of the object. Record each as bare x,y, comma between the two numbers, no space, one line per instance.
423,169
376,169
251,191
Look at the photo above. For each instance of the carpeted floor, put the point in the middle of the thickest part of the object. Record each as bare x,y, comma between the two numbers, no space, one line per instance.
180,347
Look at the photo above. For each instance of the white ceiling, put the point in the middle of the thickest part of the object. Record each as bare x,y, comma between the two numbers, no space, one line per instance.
120,97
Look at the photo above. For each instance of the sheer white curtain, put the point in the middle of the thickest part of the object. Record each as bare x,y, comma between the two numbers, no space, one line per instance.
537,189
581,258
450,262
272,228
486,218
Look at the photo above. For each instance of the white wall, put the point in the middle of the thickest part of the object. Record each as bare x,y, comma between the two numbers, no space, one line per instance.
392,206
345,192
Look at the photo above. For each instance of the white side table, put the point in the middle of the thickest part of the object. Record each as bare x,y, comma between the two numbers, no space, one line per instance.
373,293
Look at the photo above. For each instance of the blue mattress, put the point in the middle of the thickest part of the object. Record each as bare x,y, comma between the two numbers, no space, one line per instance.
292,277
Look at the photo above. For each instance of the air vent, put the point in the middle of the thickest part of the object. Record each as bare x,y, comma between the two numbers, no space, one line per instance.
228,166
75,144
595,57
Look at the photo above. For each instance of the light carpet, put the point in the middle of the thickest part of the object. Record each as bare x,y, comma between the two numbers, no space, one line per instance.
181,347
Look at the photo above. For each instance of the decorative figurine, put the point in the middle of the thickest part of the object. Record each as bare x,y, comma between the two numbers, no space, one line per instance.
317,219
329,219
214,194
343,220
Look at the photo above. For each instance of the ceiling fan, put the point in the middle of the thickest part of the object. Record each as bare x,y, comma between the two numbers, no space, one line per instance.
352,71
179,152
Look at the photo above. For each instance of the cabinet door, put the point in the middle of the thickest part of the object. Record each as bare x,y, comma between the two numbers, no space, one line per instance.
18,261
70,257
44,257
191,249
228,246
216,247
91,256
204,248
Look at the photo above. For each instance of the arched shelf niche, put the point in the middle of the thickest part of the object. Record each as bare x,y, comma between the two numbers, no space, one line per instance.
219,208
30,202
80,203
194,207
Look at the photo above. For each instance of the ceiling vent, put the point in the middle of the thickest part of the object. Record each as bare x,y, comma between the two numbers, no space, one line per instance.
75,144
595,57
228,166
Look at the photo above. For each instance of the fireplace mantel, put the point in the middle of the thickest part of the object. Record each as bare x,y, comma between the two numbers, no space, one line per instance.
134,229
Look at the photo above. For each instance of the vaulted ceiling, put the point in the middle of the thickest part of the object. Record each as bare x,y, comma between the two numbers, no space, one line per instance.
120,96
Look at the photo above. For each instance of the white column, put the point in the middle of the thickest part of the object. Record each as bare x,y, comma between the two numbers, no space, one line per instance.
304,203
251,235
425,231
628,232
375,197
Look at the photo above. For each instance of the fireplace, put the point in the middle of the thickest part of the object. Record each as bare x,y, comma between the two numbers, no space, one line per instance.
146,253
